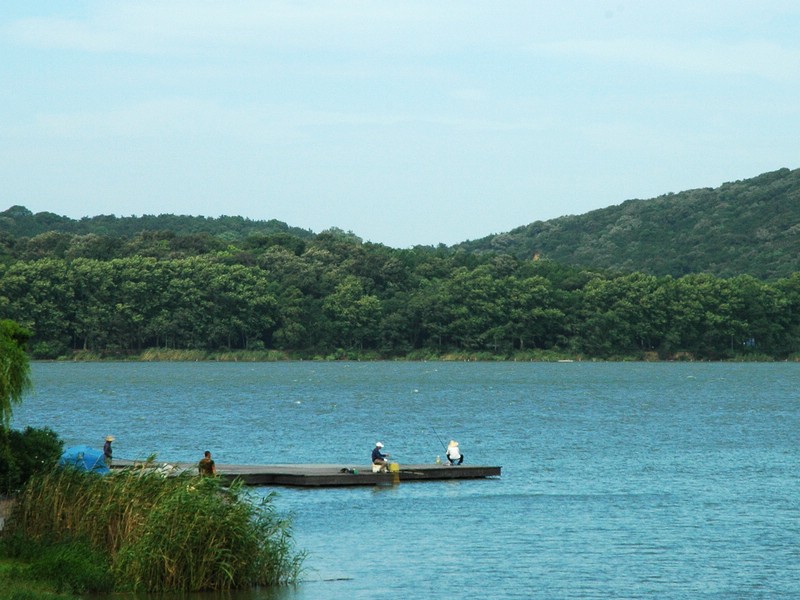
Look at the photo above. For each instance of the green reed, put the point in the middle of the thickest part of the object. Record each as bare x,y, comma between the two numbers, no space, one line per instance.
162,533
172,355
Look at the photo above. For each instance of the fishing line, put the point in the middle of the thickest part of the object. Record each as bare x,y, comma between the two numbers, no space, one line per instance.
438,438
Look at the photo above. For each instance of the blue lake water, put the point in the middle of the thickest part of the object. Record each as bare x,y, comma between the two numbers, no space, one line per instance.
620,480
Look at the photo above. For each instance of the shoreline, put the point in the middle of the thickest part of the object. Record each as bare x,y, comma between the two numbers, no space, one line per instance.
155,355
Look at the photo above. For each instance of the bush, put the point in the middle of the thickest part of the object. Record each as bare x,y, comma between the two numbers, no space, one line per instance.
47,350
26,453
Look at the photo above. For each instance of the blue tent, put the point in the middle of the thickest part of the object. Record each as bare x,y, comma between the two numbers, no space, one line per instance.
85,458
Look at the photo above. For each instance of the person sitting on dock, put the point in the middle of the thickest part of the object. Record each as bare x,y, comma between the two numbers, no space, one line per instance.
379,458
206,465
454,454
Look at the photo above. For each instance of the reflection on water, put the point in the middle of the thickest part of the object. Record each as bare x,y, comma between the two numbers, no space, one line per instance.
619,480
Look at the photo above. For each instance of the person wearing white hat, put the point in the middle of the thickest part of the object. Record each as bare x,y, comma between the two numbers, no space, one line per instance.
107,449
379,458
454,454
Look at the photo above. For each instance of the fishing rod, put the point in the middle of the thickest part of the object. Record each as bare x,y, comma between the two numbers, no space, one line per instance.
438,438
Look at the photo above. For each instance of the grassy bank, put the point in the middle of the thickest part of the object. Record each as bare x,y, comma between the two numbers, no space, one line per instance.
19,583
139,531
166,355
52,571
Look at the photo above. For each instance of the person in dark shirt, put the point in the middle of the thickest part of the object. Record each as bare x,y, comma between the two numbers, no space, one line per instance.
107,452
379,458
206,465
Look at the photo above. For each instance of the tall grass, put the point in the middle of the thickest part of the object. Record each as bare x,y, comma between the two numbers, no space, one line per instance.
175,533
250,356
163,354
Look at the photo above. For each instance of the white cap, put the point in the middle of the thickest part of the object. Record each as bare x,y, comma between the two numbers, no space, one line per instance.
379,444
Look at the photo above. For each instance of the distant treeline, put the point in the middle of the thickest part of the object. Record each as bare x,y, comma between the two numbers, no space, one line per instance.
332,296
20,223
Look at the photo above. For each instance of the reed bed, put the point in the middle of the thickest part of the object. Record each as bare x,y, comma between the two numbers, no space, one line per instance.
162,533
170,355
250,356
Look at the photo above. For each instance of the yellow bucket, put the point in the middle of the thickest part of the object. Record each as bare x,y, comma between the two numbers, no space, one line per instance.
394,467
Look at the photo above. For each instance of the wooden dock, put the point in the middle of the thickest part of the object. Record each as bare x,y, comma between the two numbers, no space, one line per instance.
329,475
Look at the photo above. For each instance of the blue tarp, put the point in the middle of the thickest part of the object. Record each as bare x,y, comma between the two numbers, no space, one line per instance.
85,458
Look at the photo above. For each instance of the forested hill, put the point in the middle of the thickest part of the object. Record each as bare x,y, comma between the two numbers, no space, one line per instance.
746,227
19,222
121,287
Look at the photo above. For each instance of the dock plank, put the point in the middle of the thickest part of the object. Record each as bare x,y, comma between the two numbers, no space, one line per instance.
329,475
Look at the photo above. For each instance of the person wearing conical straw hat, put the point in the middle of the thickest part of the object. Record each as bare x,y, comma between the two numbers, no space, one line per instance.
454,454
107,452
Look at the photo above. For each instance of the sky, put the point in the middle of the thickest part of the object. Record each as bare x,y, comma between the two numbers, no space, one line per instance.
412,122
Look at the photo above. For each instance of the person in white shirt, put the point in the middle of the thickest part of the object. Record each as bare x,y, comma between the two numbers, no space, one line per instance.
454,454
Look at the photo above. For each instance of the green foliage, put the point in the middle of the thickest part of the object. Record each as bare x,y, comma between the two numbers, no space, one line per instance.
178,288
43,569
73,567
14,368
18,582
164,354
49,350
159,534
202,309
148,231
743,227
26,453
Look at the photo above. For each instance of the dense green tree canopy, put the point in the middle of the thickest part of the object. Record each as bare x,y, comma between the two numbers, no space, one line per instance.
14,368
707,274
744,227
343,297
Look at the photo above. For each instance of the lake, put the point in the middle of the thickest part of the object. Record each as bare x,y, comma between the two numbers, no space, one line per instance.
620,480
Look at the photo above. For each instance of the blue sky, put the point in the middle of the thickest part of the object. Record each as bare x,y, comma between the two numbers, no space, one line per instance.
413,122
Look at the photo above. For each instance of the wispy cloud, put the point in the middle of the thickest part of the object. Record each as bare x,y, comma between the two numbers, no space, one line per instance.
153,27
762,59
